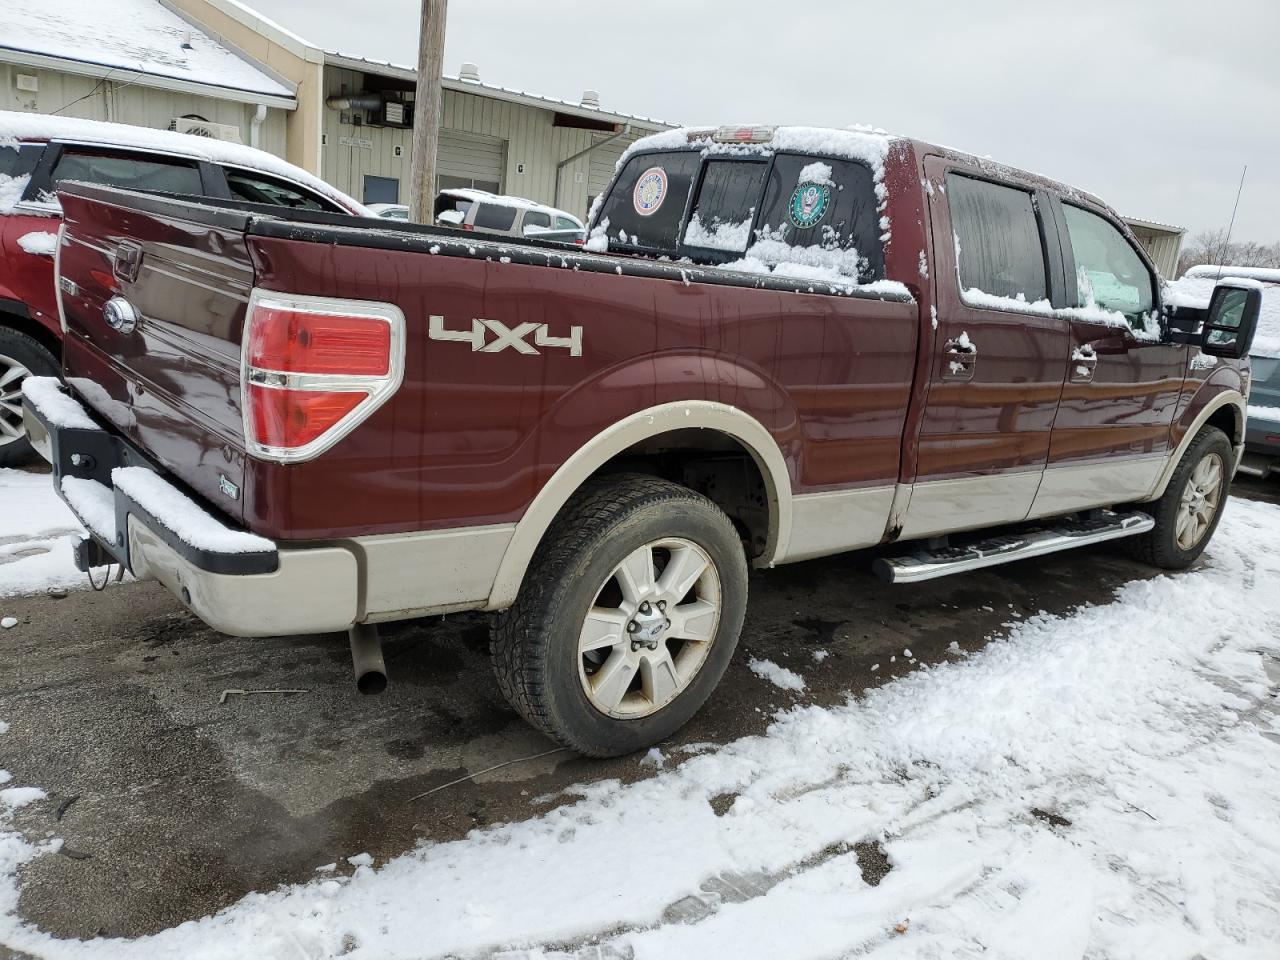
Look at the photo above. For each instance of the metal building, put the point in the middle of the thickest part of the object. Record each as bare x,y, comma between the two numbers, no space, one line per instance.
1163,243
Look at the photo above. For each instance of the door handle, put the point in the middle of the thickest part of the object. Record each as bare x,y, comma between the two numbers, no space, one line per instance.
1084,363
960,359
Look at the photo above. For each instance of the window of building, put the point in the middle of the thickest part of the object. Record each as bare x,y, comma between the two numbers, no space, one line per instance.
255,188
726,205
131,171
494,216
447,182
1000,251
1109,272
381,189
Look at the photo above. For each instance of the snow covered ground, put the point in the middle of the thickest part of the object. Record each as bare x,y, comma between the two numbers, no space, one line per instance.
1102,784
36,533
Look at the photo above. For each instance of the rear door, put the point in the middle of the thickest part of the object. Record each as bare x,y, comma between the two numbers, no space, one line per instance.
1000,352
1112,434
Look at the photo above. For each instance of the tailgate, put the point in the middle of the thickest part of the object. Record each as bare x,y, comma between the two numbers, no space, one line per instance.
153,295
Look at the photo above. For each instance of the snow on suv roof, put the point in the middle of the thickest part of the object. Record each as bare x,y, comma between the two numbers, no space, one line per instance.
484,196
143,36
15,127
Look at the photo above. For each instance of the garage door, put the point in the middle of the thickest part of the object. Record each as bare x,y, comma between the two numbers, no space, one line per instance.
466,156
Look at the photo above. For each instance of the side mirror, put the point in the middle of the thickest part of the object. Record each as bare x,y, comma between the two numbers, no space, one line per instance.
1232,319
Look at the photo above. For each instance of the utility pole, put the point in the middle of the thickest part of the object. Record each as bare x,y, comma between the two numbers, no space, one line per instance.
426,111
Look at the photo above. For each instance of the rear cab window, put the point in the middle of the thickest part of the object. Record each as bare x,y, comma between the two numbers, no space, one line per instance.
1000,254
754,210
132,171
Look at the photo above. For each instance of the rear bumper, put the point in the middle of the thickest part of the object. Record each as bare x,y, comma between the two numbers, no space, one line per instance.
237,583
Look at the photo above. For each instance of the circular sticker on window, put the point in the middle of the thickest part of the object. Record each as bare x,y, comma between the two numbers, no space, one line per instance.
650,191
809,204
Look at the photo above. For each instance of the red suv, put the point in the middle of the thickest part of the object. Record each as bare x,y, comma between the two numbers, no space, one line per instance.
39,152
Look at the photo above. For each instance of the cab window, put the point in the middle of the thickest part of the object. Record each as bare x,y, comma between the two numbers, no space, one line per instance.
1109,272
647,202
828,208
18,160
997,235
255,188
726,205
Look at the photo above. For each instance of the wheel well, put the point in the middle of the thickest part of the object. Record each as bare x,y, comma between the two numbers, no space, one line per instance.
715,465
1227,419
33,329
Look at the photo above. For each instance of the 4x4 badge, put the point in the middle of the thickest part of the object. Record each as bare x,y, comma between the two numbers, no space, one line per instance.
504,336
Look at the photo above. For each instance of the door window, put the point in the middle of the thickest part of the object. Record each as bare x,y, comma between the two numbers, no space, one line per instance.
131,171
999,252
726,205
255,188
821,212
1109,272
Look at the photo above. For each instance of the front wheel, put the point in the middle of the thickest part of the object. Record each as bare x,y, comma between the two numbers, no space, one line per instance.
627,617
1189,511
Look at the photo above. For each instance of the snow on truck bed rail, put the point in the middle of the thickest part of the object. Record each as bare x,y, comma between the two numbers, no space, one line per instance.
1103,784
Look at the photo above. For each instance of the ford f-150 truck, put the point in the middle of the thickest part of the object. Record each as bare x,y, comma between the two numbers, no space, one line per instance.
781,343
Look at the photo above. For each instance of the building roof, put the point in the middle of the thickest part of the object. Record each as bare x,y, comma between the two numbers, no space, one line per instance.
141,41
1155,227
400,71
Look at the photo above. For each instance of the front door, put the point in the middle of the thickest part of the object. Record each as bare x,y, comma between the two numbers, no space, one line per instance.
999,353
1112,435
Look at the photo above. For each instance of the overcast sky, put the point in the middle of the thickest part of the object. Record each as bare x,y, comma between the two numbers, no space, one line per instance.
1155,105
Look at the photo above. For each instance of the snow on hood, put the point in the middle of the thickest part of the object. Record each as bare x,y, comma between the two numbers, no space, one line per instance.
15,127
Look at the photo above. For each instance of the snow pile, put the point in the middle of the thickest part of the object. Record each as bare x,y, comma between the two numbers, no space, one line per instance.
60,410
780,677
1264,413
183,515
37,532
719,236
1102,784
11,190
39,242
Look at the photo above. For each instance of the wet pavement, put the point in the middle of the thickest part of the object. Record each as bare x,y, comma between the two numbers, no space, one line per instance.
174,801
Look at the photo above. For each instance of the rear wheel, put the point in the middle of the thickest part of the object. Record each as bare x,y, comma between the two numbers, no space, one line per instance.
627,617
20,357
1189,511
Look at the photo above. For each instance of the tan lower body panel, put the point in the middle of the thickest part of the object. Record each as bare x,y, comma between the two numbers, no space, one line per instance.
837,520
969,503
1097,484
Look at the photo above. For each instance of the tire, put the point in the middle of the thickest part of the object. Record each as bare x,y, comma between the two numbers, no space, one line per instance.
1172,544
641,681
20,356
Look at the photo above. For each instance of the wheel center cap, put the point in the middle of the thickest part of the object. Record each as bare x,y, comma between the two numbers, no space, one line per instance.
649,626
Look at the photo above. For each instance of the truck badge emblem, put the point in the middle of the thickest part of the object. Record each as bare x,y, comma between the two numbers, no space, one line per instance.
650,191
228,488
809,203
504,337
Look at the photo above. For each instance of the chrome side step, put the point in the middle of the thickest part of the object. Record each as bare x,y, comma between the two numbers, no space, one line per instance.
929,564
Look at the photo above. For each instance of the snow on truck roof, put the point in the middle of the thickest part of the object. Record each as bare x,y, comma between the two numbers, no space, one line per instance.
140,36
15,127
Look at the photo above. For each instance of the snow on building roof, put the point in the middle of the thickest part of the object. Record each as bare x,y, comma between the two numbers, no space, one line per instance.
450,82
30,126
130,40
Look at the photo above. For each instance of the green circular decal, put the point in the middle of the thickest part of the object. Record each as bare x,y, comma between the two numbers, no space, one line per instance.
809,204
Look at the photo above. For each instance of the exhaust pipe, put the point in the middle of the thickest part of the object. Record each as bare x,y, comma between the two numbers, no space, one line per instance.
366,658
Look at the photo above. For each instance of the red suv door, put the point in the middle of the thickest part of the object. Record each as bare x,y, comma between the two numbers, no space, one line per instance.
999,352
1112,435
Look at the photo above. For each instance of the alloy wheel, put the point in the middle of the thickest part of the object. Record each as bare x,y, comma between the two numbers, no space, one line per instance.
650,628
1201,498
12,373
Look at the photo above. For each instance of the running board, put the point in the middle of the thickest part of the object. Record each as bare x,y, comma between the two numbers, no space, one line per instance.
929,564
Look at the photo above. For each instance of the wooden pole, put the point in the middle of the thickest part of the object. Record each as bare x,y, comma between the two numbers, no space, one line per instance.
426,111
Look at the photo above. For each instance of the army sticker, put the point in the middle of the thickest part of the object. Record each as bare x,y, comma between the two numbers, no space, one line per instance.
650,191
809,203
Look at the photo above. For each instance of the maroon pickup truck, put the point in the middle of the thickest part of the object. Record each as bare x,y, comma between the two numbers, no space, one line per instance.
782,343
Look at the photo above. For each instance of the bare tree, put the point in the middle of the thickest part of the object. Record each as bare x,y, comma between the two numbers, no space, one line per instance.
1211,246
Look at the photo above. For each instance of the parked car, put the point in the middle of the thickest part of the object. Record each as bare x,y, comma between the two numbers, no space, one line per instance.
39,152
512,216
903,345
1262,436
390,211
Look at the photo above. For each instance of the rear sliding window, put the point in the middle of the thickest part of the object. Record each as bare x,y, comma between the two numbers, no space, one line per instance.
998,238
647,202
726,205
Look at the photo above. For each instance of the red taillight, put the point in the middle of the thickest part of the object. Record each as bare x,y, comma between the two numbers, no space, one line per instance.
467,226
314,368
299,341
